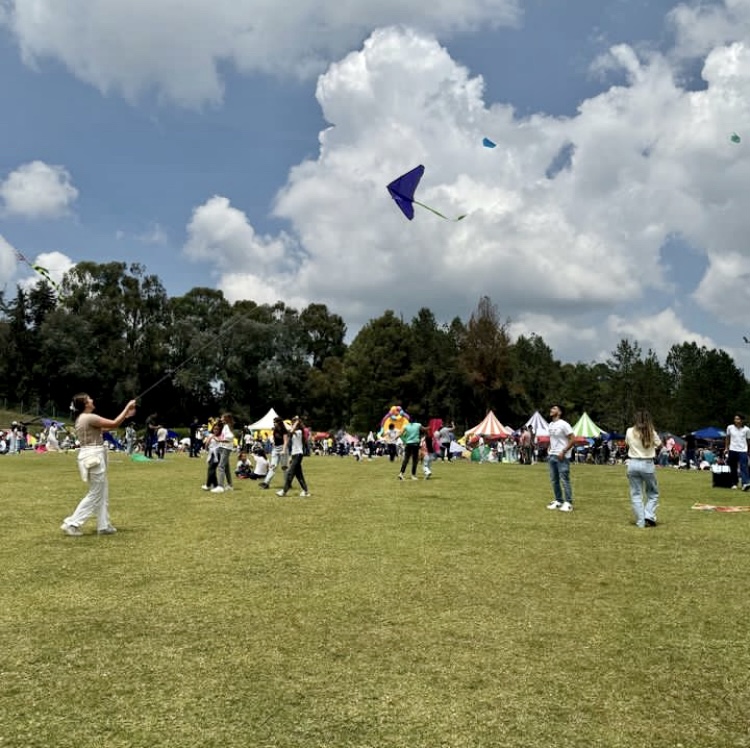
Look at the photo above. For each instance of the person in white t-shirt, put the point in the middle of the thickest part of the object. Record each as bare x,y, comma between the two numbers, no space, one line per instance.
161,442
736,446
260,468
226,446
561,439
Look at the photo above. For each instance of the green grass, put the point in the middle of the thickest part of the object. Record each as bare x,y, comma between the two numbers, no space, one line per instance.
455,612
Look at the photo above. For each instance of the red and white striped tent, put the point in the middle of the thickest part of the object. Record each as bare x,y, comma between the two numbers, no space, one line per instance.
489,428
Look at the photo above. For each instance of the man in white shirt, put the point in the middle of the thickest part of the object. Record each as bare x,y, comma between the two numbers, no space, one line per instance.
736,446
561,439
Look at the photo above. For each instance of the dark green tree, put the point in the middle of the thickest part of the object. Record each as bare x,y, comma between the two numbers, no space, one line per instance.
535,374
707,387
323,332
376,362
485,358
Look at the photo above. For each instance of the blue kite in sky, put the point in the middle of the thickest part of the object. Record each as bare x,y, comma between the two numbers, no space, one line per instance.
402,191
487,143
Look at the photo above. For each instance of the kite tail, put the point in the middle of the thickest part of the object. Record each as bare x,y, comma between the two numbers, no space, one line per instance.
437,212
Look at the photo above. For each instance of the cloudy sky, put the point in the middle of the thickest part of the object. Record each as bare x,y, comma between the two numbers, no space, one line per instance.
247,145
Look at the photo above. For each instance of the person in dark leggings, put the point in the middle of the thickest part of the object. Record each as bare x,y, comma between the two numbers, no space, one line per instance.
297,449
411,436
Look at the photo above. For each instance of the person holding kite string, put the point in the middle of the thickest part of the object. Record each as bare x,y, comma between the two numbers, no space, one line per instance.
92,464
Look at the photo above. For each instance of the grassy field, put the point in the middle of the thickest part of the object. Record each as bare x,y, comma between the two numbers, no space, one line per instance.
452,612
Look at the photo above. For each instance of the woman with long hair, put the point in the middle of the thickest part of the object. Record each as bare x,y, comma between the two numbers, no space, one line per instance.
642,441
280,437
92,464
297,450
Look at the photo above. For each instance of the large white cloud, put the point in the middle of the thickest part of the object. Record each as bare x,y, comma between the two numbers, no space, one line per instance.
220,233
37,190
176,48
573,254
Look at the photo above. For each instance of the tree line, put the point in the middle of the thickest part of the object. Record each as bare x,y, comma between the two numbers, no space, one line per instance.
113,332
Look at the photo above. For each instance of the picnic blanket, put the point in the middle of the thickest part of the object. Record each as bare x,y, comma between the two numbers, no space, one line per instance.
714,508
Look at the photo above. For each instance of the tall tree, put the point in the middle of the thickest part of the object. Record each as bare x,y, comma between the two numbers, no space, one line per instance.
430,382
486,360
323,332
535,374
375,363
708,387
621,388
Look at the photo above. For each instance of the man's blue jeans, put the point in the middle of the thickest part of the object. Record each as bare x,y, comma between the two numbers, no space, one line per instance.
738,460
559,476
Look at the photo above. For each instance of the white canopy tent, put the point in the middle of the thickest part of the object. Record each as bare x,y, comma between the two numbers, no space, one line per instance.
265,423
538,425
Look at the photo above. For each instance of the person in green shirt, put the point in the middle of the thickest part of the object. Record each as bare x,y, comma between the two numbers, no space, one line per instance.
411,436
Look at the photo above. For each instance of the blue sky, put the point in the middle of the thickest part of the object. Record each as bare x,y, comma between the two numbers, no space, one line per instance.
191,146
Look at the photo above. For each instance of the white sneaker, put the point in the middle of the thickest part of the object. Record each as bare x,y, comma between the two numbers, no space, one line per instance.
427,474
304,494
109,530
205,488
414,477
554,505
400,476
281,492
566,507
229,488
71,530
217,489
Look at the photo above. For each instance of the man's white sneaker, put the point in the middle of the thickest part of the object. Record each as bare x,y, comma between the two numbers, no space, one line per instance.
217,489
281,492
71,530
566,507
554,505
414,477
109,530
400,476
427,475
205,488
304,494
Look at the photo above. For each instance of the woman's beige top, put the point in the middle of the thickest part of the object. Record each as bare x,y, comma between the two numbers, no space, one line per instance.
88,434
636,450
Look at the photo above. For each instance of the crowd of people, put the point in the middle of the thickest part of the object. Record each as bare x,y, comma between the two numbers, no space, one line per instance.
261,456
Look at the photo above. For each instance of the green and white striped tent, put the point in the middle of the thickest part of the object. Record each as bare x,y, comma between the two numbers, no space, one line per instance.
585,427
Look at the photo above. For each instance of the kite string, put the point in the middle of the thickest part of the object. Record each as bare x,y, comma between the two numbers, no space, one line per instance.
438,213
172,372
39,270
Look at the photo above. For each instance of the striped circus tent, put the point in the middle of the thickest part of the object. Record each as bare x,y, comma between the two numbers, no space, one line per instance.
489,428
586,428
